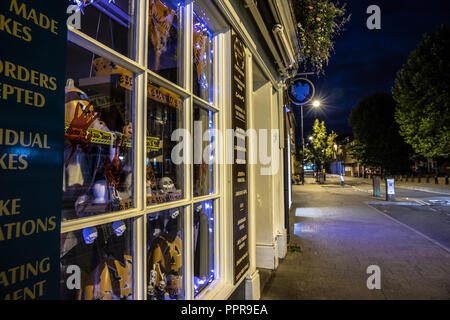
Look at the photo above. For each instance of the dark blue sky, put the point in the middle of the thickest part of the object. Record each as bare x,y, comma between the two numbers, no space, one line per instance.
366,61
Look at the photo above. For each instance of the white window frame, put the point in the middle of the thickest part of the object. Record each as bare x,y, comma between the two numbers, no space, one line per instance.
139,66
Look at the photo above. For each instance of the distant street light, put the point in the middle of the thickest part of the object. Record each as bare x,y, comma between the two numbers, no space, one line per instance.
315,104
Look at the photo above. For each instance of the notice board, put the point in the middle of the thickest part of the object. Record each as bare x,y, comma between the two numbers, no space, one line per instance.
240,171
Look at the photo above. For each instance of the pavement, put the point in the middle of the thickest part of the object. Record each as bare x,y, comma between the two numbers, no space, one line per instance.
338,232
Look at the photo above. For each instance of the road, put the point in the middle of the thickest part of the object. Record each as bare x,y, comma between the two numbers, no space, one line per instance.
426,212
338,232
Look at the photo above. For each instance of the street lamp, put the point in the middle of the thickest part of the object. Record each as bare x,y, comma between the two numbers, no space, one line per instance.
316,104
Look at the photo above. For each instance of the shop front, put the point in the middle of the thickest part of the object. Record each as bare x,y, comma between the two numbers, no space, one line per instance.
130,172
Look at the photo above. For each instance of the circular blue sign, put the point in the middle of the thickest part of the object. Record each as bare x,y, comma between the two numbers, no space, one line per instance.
301,91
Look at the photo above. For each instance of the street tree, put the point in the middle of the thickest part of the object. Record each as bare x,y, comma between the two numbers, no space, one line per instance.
422,92
321,148
377,139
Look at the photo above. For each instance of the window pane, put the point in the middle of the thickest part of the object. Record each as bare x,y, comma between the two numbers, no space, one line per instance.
165,43
103,256
165,255
98,175
111,23
164,116
203,55
203,152
203,245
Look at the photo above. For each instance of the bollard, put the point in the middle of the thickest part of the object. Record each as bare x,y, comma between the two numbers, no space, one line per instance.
436,180
419,179
428,179
376,182
406,179
446,180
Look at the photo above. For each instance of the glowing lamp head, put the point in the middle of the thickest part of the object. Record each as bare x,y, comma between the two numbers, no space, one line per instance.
316,103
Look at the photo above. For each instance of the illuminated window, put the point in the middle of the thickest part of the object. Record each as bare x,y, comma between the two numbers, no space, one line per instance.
204,272
165,255
203,56
165,38
98,152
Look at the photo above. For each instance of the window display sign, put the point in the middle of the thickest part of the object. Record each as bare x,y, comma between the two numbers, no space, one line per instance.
32,65
240,173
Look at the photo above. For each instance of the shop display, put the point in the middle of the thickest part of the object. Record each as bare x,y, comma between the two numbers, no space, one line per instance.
113,169
110,22
80,114
203,245
103,256
202,57
203,170
97,176
165,38
160,23
165,256
164,178
99,171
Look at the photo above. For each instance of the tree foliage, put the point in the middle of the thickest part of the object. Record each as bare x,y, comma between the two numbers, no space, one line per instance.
319,21
377,139
321,149
422,92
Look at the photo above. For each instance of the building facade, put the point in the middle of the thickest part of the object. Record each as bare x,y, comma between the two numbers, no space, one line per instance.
150,206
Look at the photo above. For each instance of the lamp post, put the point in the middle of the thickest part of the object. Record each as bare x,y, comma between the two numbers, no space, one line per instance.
315,104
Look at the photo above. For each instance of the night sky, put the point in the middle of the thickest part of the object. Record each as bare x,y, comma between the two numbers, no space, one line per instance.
366,61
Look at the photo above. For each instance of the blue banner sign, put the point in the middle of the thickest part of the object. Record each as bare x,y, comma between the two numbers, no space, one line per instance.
32,70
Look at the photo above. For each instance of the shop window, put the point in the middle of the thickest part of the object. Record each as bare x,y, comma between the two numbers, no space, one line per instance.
203,55
203,152
98,149
165,255
99,261
111,23
203,245
165,51
164,116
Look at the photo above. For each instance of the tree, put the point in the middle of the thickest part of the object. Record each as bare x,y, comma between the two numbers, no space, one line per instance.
422,92
319,21
322,145
377,139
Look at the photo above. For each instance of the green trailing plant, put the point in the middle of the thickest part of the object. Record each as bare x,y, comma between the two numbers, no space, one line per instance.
319,22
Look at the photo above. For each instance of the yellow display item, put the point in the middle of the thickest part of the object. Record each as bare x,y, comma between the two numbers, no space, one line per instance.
109,281
75,96
166,258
